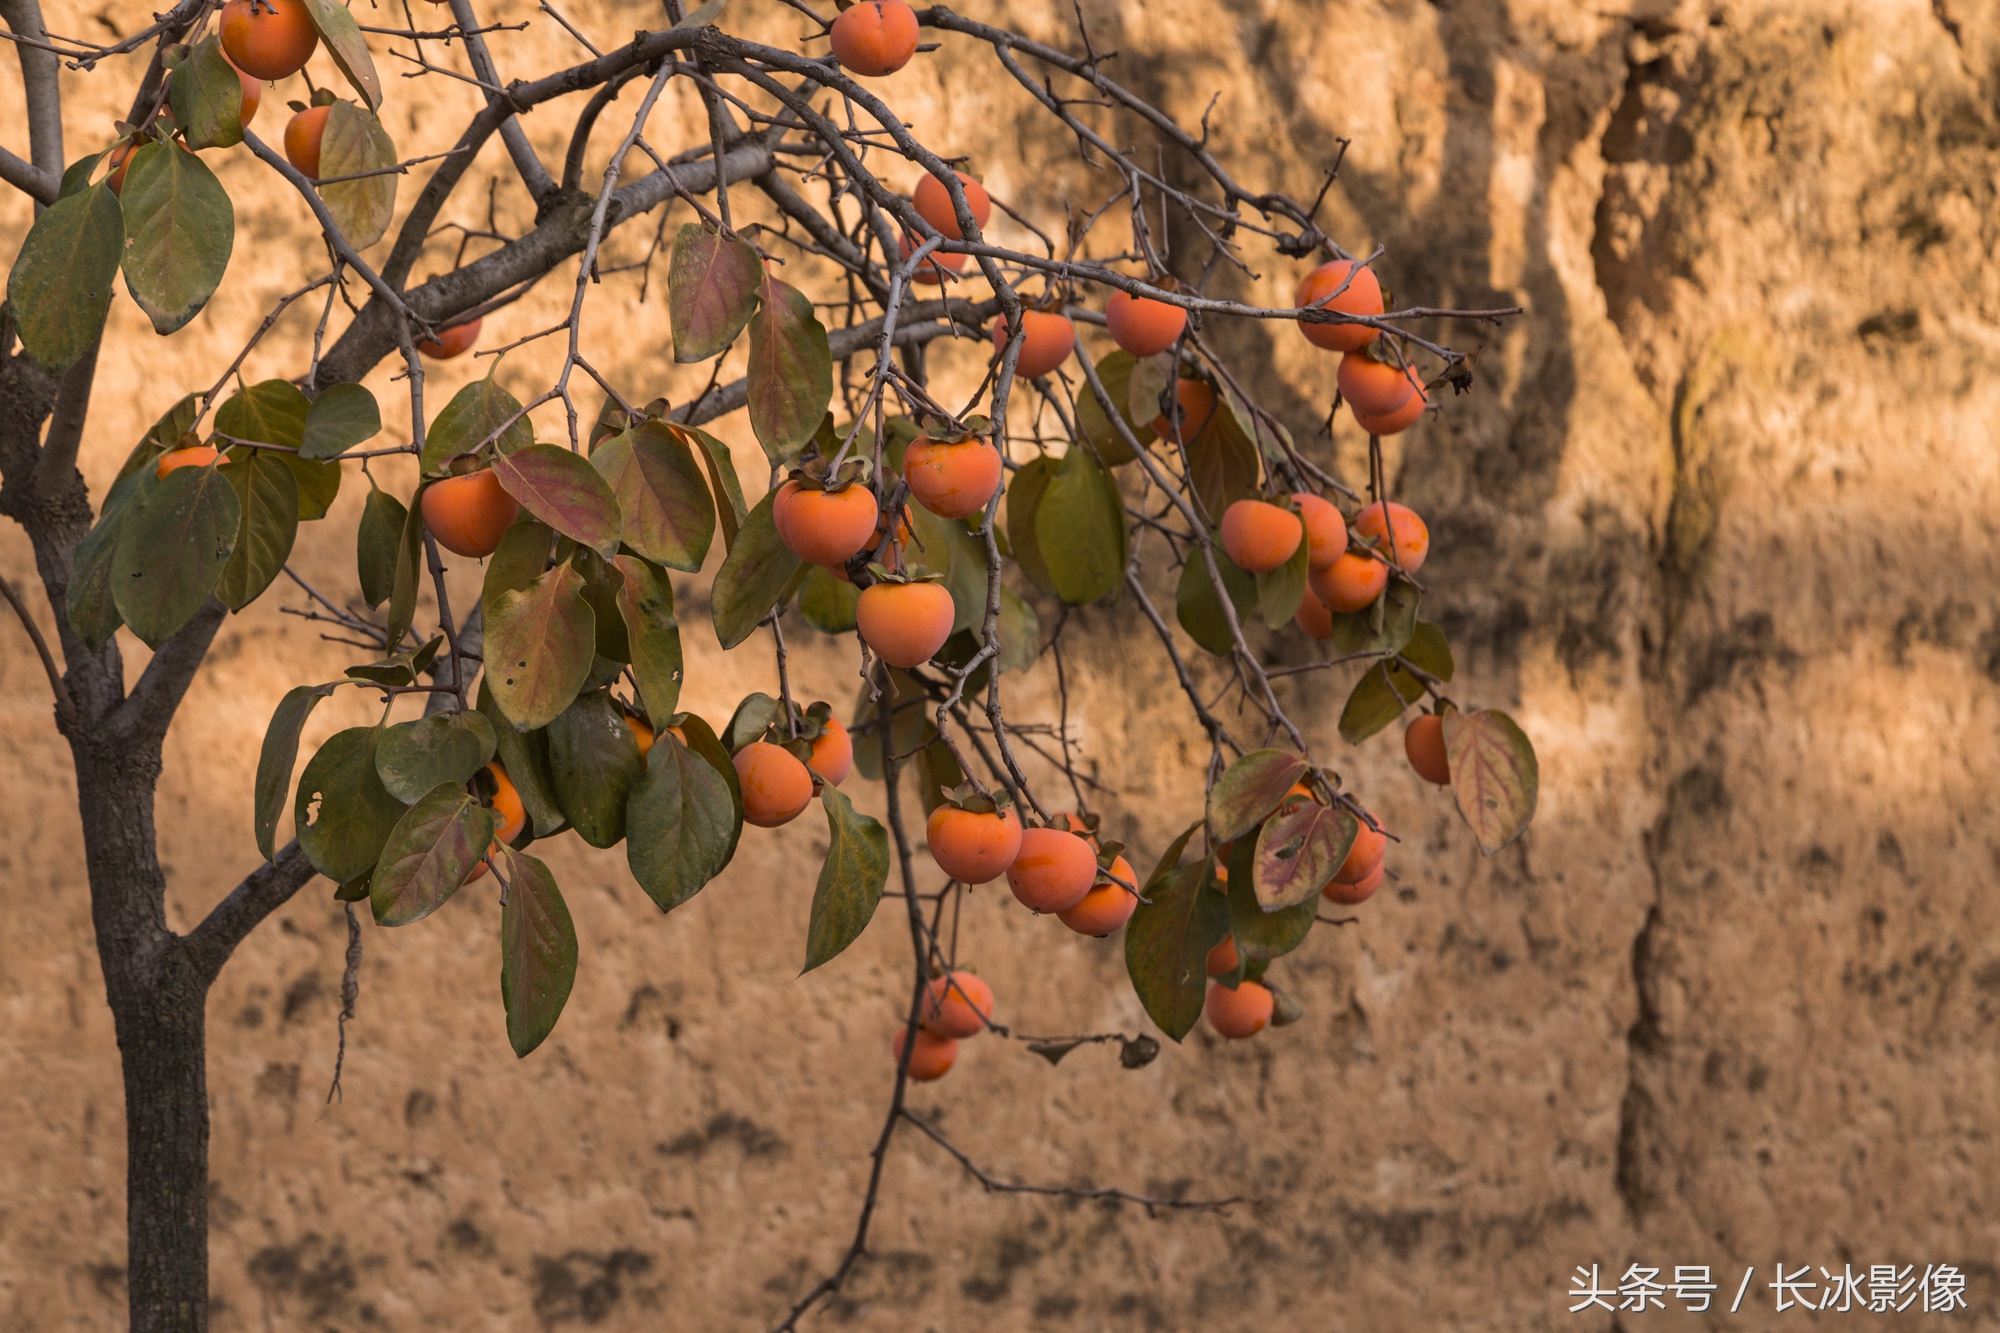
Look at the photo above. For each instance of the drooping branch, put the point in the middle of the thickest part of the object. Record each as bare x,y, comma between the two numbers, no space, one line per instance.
1108,1193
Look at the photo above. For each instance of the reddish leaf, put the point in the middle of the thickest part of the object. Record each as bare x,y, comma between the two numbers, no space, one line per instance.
663,502
1297,852
1494,775
711,291
791,371
564,491
1250,789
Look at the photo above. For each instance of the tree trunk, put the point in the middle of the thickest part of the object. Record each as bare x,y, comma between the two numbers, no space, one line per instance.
158,1000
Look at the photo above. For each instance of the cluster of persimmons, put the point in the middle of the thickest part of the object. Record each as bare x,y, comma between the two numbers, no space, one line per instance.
905,619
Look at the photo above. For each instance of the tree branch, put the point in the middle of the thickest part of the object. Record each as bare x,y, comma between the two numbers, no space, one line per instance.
533,174
40,77
262,892
149,709
65,706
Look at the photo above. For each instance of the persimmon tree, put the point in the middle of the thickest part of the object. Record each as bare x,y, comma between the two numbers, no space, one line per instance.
951,537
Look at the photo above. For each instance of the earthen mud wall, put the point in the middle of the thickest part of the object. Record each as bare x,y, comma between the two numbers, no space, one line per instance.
1717,523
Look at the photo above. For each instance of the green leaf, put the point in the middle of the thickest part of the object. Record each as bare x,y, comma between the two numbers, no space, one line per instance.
268,412
1080,529
525,757
207,97
757,713
1250,789
1261,935
343,812
428,855
1222,464
1427,650
520,559
343,416
1198,608
275,760
444,748
1494,775
754,577
172,549
60,285
712,287
179,229
564,491
474,413
594,759
163,435
537,954
409,569
1379,698
1384,628
728,491
539,645
1024,498
653,635
850,880
681,822
664,505
1167,943
1280,590
89,600
1020,632
268,498
938,771
827,603
344,42
944,546
383,518
76,176
790,375
1297,851
1115,373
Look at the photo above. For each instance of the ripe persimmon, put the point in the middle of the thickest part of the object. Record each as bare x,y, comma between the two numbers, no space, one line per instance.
781,503
776,786
957,1005
1141,325
1313,617
253,97
952,479
468,514
120,160
905,623
826,527
1222,958
268,39
454,341
1359,892
833,753
1107,906
303,133
1054,870
1049,341
641,733
198,455
1326,530
1238,1013
874,545
1374,388
1351,583
928,271
875,38
1398,421
1413,538
1260,536
973,846
1363,296
513,814
1197,408
933,204
1365,855
932,1056
1423,742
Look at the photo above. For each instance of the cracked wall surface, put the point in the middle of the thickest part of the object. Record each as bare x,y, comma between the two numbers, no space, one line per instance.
1717,524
